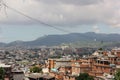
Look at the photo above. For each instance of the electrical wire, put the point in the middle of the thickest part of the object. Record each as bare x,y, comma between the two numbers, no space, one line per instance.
34,19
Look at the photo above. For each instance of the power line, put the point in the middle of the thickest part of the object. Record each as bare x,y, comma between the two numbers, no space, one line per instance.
34,19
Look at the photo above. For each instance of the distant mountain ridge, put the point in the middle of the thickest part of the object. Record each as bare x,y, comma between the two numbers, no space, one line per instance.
52,40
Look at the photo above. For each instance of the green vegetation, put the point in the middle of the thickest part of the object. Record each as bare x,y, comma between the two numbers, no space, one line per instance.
55,56
84,76
93,44
36,69
2,73
117,75
100,49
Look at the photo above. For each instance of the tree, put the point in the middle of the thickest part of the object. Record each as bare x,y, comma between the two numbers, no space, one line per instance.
2,73
36,69
117,75
84,76
100,49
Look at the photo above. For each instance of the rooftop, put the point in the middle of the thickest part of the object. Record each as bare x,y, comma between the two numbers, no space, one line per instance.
4,65
38,75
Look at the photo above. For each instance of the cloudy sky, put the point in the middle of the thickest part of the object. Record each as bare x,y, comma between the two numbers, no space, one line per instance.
67,16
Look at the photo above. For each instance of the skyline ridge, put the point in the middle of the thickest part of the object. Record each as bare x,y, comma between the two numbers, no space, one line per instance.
79,38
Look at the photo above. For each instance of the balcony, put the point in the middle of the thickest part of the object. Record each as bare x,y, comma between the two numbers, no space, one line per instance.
102,65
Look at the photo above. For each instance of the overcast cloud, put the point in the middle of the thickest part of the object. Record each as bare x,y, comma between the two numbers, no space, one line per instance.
64,12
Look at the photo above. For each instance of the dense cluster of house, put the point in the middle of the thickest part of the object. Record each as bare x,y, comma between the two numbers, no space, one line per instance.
102,64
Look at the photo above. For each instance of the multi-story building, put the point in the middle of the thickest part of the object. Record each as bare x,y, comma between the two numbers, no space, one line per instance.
81,66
